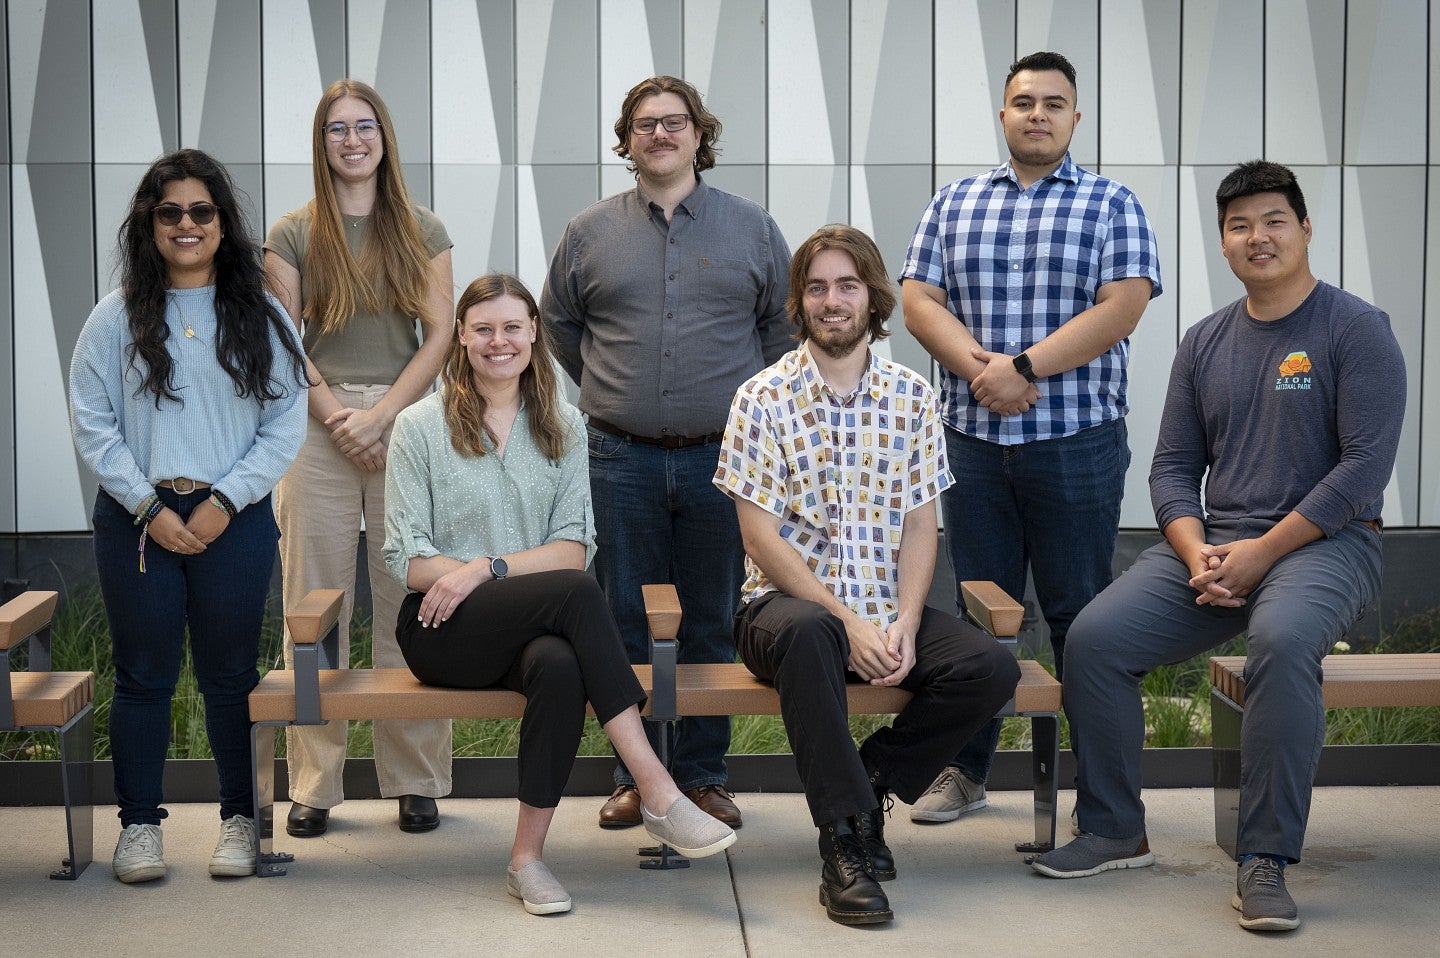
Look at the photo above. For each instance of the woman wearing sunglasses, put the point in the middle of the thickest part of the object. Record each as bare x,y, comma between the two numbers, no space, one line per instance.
187,399
499,592
360,263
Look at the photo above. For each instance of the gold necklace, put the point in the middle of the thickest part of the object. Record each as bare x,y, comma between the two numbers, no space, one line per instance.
189,327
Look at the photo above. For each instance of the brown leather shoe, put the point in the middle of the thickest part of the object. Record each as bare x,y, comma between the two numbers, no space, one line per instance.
715,801
622,809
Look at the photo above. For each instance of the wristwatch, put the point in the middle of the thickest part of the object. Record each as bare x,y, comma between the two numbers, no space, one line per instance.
1023,367
499,568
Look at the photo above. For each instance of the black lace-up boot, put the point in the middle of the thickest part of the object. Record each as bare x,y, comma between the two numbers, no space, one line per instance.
847,890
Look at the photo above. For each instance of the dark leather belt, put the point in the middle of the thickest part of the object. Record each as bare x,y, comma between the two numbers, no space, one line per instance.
182,485
664,442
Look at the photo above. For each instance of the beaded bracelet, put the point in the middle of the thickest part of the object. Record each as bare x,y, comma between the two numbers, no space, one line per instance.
222,502
148,509
144,522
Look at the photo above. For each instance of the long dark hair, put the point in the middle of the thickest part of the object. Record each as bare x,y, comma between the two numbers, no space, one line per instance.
245,315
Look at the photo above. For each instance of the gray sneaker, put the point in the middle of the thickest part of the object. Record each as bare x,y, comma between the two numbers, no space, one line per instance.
951,795
239,844
1261,898
1090,855
688,830
537,889
139,854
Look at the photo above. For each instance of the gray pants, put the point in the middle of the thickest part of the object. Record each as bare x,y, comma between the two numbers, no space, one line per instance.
1148,618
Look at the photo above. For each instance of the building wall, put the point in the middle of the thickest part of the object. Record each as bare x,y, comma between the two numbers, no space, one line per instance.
833,110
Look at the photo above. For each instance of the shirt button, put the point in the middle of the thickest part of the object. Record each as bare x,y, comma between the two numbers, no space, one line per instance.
1014,265
672,276
669,315
667,352
672,241
664,392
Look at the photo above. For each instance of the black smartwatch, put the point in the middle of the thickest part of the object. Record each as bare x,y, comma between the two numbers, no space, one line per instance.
499,568
1023,367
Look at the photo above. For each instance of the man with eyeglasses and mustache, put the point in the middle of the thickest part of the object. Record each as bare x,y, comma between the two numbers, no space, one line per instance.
660,302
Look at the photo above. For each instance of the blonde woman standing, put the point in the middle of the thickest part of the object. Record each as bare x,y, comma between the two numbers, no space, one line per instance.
360,263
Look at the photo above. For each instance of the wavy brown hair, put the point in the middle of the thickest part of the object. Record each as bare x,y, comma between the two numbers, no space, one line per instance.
394,264
868,261
706,122
539,385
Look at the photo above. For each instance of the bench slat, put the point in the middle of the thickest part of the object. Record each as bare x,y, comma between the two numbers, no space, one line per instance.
313,616
720,689
992,607
22,615
50,698
1353,681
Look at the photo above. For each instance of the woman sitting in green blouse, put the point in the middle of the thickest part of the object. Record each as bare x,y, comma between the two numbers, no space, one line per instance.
488,523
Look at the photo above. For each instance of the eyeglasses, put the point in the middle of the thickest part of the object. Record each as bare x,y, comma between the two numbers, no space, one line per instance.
645,125
170,214
365,130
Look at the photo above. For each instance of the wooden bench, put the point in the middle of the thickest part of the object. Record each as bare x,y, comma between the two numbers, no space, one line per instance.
40,700
315,692
1350,681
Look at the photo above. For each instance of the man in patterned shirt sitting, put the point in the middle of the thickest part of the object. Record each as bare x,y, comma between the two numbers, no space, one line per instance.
834,458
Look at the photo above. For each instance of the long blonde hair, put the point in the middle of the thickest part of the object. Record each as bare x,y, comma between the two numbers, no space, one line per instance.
539,386
394,264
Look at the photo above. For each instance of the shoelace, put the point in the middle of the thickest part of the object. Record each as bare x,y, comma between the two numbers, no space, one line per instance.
851,857
946,779
142,839
233,834
1264,871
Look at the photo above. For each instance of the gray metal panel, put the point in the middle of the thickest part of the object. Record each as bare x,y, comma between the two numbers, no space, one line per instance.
724,46
746,181
220,78
974,47
1427,368
1138,108
1071,27
546,199
1385,65
556,82
136,108
302,52
53,286
1221,77
50,104
809,51
4,89
473,82
389,48
1304,85
891,67
885,202
287,186
7,363
477,205
114,187
638,39
1204,283
1383,250
804,198
1152,345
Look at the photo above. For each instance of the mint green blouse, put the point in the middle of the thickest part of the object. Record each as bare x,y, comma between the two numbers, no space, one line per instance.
438,502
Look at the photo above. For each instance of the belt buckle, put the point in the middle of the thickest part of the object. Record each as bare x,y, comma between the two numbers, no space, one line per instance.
175,485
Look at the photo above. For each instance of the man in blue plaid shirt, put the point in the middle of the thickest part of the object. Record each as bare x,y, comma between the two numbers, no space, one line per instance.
1024,283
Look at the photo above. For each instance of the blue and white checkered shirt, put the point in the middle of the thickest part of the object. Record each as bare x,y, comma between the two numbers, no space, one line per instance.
1018,264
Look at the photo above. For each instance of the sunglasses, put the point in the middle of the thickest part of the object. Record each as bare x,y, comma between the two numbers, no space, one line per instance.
170,214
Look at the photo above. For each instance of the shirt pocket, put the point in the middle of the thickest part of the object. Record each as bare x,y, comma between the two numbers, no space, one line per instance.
724,287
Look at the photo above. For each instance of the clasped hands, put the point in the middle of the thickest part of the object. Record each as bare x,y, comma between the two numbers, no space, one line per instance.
999,387
881,656
1224,575
190,537
359,434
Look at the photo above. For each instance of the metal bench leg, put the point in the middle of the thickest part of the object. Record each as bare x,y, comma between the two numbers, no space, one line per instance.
1225,720
269,863
1045,765
662,857
77,776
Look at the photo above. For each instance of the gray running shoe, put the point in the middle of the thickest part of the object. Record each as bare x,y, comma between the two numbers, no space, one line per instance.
1261,898
139,854
537,889
951,795
1090,855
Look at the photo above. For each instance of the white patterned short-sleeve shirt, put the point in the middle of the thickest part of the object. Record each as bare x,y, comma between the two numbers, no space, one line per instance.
839,471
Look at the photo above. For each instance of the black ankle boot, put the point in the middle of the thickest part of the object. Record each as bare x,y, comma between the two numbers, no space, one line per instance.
870,829
848,892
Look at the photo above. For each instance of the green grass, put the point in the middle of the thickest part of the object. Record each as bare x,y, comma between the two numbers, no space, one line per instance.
1177,709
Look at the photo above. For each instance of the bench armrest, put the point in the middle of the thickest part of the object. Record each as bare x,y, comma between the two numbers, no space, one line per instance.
662,613
27,616
992,608
314,624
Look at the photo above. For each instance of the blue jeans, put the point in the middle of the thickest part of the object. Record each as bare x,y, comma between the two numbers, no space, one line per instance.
1052,505
1149,618
658,518
220,594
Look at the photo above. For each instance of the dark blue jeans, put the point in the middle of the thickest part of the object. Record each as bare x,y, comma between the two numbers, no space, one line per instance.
220,594
658,518
1053,506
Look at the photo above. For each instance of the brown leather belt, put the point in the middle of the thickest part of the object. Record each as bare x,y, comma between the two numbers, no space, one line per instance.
664,442
182,485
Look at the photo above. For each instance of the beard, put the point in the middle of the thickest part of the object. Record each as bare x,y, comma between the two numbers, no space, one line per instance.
835,343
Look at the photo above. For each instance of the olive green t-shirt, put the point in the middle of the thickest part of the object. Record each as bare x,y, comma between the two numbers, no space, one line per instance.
373,348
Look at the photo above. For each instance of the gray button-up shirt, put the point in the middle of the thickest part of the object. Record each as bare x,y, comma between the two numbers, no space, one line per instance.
659,323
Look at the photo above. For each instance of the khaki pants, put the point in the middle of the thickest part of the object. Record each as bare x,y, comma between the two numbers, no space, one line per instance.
318,506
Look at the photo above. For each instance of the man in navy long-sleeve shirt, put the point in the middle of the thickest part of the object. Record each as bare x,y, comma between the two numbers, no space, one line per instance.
1288,405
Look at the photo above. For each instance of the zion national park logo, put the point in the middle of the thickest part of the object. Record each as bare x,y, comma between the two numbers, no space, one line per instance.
1294,370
